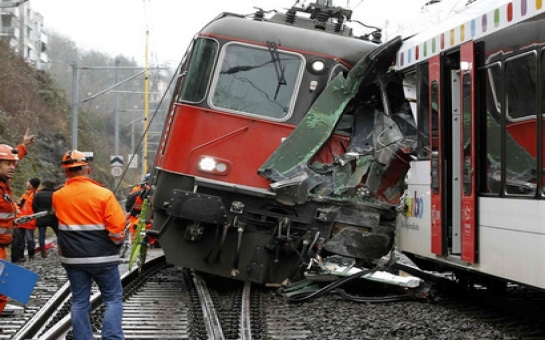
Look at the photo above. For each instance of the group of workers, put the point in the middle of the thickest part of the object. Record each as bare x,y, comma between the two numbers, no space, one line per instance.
91,229
33,201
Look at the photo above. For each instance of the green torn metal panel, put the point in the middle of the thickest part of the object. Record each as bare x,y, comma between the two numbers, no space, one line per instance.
316,128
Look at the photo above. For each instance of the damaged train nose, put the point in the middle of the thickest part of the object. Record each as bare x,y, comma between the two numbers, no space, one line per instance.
366,177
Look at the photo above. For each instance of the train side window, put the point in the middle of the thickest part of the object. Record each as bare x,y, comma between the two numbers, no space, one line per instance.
435,162
521,124
257,81
467,125
491,77
423,110
199,71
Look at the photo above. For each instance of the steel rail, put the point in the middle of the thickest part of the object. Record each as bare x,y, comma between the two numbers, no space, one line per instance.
37,322
211,319
245,316
59,330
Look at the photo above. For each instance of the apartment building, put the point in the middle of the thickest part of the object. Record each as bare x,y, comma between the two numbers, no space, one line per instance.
23,30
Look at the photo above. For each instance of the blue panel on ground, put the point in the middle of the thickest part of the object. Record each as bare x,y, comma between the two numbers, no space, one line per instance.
16,282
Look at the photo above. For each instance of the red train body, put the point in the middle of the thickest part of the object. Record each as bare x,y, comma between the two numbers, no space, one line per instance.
267,160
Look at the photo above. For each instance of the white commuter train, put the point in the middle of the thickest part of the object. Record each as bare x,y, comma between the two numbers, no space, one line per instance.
475,197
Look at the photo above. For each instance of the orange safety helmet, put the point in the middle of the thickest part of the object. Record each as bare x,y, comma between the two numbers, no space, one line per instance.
73,158
8,153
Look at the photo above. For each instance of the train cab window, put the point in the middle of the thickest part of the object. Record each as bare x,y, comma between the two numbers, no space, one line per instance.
257,81
199,70
521,124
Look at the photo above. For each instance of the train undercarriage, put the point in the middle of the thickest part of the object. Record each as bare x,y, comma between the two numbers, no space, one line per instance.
254,238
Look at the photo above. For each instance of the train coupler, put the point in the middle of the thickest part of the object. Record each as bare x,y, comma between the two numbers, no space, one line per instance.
193,232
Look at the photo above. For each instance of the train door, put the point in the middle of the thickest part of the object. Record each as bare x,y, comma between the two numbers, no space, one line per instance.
454,227
453,203
436,146
467,157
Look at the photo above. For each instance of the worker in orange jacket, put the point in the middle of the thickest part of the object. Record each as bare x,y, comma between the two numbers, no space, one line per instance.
8,160
25,231
91,231
133,206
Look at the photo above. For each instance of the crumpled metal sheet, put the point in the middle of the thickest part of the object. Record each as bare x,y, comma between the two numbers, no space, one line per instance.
351,242
373,145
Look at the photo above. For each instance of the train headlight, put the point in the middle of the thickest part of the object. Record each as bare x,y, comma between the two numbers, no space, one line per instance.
214,165
317,66
207,164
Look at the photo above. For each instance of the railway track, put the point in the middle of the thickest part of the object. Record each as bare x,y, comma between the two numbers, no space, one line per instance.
160,302
45,291
165,302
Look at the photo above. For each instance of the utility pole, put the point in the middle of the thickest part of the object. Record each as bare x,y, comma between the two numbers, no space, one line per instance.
75,105
116,116
146,109
116,103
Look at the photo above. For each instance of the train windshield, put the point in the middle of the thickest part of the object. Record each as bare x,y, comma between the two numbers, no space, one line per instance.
257,81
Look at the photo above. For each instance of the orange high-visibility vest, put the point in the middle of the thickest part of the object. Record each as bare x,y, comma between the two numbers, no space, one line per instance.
91,223
26,208
7,206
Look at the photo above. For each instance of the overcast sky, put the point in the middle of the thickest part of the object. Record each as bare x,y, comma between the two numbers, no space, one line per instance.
119,26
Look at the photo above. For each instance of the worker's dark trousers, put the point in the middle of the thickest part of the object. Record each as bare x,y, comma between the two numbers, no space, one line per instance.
17,253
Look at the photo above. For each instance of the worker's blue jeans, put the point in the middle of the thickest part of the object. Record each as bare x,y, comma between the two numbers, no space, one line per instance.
109,284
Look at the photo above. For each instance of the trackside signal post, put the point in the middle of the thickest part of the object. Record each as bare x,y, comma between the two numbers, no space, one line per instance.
116,167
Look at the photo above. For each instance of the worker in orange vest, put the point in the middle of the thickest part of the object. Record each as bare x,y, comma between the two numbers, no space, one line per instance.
133,206
91,231
8,160
25,231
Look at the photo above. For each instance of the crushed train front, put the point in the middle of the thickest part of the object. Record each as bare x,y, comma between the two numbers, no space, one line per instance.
281,146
